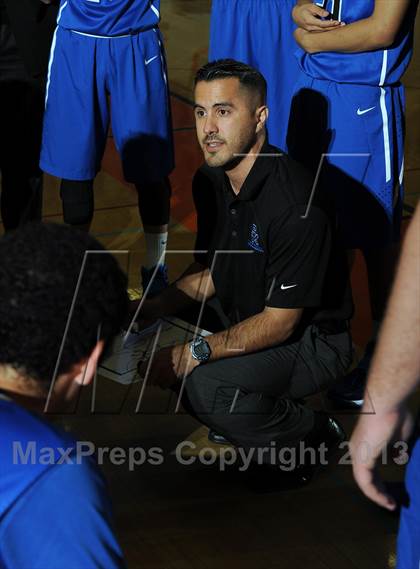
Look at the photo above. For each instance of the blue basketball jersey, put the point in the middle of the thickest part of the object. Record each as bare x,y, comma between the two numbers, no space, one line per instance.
379,67
109,17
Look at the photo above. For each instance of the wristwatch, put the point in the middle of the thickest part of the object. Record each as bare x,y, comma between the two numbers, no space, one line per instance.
200,350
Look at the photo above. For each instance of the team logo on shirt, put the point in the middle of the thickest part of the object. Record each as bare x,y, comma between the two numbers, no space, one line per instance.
254,239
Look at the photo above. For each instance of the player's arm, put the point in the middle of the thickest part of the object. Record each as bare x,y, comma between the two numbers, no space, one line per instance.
307,16
394,374
375,32
195,285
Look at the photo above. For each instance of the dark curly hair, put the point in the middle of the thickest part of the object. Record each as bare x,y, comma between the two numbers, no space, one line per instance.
40,265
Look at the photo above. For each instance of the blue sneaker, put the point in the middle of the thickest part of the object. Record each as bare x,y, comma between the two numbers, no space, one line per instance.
160,280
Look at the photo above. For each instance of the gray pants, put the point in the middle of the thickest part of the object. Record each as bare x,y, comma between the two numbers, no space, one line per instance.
251,399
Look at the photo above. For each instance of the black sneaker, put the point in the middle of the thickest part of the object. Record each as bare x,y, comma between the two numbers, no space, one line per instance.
217,438
348,393
324,439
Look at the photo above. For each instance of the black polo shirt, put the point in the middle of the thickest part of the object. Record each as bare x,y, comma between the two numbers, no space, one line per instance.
265,246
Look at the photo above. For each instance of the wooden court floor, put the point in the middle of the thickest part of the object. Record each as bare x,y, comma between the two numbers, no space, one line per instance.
195,517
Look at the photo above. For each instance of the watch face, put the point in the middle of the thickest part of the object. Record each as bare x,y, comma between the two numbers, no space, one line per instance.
201,350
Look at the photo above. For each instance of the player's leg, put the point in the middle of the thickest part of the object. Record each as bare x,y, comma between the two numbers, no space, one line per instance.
142,130
76,121
381,262
230,30
78,203
369,202
154,208
260,34
274,47
21,110
21,104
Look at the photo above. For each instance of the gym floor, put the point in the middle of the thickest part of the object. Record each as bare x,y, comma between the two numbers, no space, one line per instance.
195,517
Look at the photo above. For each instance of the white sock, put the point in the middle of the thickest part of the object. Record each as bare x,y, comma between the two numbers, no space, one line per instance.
155,248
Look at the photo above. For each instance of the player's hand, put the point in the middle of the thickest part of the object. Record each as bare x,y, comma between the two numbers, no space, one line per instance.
308,17
303,38
168,365
307,40
372,434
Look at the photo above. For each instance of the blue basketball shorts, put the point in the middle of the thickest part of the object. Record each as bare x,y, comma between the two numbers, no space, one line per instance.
260,33
93,80
408,543
359,130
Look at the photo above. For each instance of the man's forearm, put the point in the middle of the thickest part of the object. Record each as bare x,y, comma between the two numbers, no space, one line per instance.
264,330
195,285
395,370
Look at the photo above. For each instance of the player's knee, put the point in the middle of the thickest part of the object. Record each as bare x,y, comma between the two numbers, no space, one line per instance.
78,203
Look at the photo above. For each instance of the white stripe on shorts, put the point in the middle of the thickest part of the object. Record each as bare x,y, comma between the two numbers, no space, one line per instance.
387,147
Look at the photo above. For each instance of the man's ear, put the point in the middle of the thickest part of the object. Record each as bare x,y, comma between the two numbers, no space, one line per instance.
85,370
262,116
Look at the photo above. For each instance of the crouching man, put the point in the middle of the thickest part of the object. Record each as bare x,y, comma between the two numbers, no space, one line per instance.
265,249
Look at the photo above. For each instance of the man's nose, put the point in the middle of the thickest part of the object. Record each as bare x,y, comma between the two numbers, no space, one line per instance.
210,125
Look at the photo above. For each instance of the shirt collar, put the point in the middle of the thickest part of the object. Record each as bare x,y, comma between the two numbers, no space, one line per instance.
261,169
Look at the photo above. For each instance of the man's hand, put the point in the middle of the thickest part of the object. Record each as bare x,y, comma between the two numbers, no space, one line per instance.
168,365
371,435
308,17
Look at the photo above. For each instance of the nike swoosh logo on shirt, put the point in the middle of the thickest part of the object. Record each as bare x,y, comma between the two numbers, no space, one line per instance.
147,61
285,287
360,113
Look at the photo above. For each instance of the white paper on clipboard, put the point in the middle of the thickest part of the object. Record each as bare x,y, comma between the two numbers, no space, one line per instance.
121,363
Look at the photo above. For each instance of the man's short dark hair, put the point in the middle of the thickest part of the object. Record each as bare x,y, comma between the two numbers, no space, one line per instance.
40,266
248,76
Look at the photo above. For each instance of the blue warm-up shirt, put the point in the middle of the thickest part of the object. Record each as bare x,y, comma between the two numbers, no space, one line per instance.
52,515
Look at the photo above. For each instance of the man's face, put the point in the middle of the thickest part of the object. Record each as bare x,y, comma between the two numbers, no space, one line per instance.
226,120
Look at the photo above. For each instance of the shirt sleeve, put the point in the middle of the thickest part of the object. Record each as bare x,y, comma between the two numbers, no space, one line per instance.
63,521
206,207
299,252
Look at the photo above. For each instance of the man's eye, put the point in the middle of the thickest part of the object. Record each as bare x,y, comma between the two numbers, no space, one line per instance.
199,114
223,112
